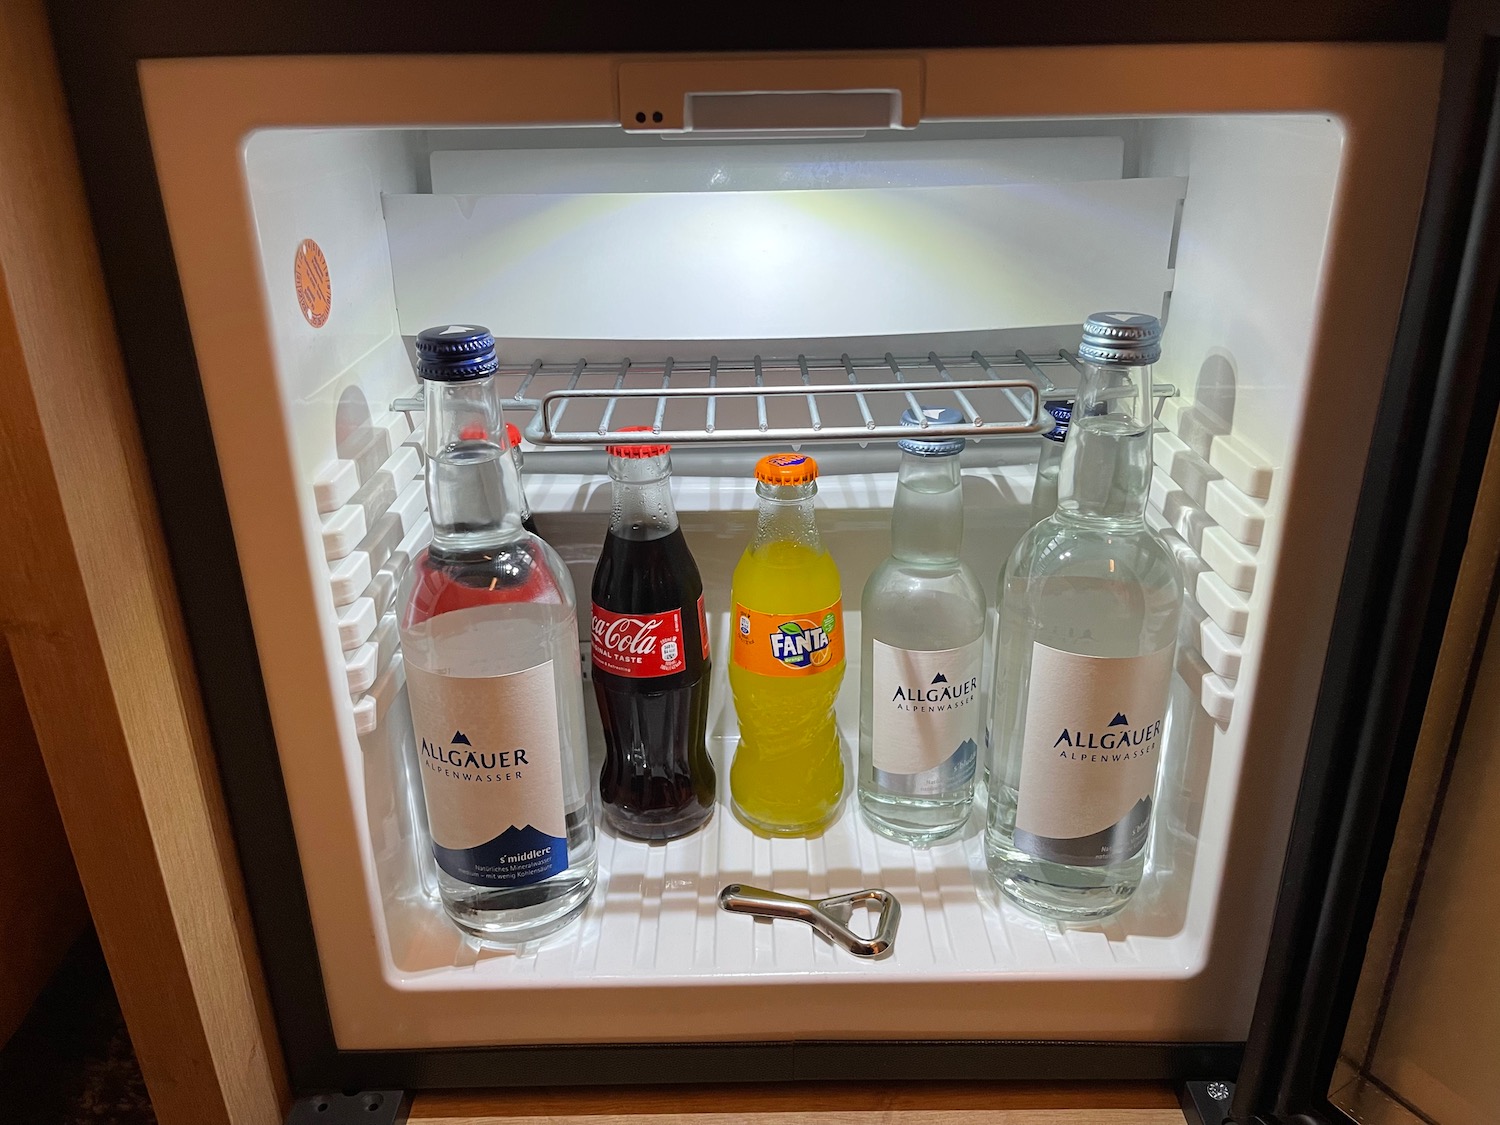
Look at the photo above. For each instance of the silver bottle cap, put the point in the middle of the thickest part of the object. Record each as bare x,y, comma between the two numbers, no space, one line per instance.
932,447
1121,338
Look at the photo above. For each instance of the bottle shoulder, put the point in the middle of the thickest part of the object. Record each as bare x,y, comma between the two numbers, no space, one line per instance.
1097,594
922,608
897,582
645,575
783,576
1054,548
523,571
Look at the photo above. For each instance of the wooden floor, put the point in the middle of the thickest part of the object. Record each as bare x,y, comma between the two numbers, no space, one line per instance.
822,1103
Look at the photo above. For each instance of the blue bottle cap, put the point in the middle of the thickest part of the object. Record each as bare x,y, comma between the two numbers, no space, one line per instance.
932,447
456,353
1061,410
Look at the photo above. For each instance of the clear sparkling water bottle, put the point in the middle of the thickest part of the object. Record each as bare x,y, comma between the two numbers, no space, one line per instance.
1089,605
489,633
922,618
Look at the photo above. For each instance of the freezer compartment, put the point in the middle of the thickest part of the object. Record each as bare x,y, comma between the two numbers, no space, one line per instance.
595,257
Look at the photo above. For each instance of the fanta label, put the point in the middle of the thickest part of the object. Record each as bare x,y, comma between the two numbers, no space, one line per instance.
780,644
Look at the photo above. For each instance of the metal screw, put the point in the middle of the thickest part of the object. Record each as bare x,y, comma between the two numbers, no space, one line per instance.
1219,1091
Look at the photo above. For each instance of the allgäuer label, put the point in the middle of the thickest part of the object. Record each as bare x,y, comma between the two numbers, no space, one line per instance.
925,715
1089,754
491,759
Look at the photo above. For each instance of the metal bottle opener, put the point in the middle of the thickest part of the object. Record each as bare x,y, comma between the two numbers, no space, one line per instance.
829,916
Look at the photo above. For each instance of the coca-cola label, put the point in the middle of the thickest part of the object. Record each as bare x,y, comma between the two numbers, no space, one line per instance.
638,644
703,626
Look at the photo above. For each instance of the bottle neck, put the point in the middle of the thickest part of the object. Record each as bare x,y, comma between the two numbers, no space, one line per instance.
927,525
786,515
515,456
1105,475
473,489
642,507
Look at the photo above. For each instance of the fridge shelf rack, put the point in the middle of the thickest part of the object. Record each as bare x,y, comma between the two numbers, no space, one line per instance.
782,400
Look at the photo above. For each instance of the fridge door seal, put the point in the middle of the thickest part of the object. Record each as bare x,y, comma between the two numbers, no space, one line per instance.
99,49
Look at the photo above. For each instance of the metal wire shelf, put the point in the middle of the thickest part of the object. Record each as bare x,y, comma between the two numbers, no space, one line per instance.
782,400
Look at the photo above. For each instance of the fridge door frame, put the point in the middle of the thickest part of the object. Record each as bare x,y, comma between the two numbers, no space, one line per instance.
1370,700
1437,417
200,114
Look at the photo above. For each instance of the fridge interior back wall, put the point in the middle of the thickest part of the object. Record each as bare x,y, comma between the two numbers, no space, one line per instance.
1268,222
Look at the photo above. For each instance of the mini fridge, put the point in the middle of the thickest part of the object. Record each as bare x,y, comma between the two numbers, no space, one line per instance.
777,237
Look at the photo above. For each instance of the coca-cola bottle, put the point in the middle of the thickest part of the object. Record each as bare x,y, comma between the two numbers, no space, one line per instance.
488,631
650,657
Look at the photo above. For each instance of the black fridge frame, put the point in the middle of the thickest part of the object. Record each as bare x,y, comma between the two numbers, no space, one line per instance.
1433,427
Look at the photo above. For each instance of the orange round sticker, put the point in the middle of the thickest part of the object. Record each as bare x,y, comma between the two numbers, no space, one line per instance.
314,289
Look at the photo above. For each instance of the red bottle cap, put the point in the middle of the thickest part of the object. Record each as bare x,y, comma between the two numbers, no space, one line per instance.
636,452
513,435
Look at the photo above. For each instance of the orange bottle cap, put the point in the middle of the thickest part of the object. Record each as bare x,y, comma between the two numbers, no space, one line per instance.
513,435
636,452
786,468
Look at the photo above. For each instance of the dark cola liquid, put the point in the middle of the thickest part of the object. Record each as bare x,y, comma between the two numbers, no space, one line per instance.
658,781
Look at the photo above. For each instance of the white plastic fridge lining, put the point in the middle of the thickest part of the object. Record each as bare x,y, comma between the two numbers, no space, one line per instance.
1207,491
374,515
781,264
655,916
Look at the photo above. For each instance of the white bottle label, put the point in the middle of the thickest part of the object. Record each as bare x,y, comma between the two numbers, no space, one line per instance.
491,760
925,716
1089,754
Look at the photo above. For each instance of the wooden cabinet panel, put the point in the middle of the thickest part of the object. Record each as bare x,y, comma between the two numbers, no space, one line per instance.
88,606
1440,1035
41,903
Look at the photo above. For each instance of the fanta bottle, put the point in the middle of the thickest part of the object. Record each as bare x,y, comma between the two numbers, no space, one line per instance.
786,660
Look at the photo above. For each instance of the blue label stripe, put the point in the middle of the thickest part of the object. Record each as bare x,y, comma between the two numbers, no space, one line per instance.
515,858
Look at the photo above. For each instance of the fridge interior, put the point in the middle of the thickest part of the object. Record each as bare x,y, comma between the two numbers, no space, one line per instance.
926,254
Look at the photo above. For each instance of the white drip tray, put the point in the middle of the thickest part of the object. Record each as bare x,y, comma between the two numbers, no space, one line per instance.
654,918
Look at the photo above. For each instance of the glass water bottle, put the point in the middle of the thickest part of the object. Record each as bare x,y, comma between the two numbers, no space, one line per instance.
1089,606
1049,459
922,616
491,647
